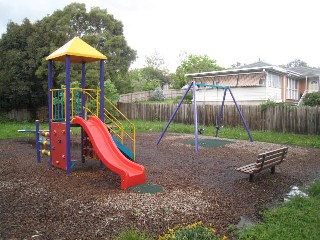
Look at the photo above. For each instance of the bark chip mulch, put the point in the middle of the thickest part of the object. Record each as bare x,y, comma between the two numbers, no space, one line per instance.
41,202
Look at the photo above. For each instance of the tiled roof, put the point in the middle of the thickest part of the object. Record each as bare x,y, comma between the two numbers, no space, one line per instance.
306,71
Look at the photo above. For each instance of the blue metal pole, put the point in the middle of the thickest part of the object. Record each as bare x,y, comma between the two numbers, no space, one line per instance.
241,116
83,86
37,140
174,113
50,86
101,116
221,112
195,117
68,111
83,103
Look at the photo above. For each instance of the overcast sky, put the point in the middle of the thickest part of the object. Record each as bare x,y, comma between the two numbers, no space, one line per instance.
228,31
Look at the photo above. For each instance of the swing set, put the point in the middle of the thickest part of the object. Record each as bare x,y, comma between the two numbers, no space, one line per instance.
193,85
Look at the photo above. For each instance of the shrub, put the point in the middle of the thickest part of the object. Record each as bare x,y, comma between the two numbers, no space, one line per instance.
312,99
189,98
157,95
192,231
269,103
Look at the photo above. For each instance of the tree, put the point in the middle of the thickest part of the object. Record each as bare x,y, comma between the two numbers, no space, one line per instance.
154,74
144,79
156,70
193,64
23,48
155,61
297,63
19,86
237,65
99,29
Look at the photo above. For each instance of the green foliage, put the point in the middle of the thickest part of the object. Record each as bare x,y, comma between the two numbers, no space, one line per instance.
123,83
268,104
153,75
314,190
4,119
297,219
155,61
23,48
111,92
312,99
19,55
146,79
189,97
157,95
133,234
192,231
271,104
193,64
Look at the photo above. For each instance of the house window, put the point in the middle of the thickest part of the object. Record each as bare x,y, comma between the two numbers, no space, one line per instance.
313,87
292,89
262,82
273,80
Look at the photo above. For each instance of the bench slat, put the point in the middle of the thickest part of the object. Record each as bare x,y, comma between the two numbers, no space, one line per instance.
265,160
266,157
275,160
284,149
250,168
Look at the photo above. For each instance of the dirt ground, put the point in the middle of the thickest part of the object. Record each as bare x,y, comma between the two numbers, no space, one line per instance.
41,202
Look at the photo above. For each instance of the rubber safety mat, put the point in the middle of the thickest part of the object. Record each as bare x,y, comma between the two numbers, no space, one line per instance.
147,188
209,143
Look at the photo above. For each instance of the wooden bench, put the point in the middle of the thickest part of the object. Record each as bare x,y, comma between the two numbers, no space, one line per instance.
265,160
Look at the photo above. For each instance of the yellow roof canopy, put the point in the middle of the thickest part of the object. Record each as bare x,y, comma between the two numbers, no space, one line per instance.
79,52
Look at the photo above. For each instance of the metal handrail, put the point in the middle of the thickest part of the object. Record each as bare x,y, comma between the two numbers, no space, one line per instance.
133,128
89,93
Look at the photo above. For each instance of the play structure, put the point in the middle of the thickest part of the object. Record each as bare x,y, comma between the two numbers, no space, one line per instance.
193,86
103,134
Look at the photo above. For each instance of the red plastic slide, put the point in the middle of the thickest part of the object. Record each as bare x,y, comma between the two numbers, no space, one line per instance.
130,172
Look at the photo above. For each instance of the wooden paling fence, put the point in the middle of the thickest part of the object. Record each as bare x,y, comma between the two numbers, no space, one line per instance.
301,120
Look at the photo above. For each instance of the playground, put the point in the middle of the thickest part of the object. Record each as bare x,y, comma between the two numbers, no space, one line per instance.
39,201
93,184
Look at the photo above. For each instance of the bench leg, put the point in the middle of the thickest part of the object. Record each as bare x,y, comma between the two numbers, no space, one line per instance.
273,169
251,178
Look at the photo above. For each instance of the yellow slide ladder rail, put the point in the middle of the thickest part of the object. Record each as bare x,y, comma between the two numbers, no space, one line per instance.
130,133
92,108
92,102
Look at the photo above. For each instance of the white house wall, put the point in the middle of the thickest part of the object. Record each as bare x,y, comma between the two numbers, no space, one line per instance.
274,94
243,95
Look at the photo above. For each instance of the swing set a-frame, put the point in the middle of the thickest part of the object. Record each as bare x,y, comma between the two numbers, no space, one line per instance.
193,85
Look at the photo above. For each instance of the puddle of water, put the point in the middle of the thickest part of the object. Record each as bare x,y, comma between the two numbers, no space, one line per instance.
295,191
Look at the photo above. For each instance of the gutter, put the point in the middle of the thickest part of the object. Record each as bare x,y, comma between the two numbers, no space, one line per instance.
242,71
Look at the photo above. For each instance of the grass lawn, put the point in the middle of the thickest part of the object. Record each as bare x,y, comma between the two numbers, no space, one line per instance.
233,133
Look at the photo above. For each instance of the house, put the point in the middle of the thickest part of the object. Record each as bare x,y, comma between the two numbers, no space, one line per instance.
258,82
